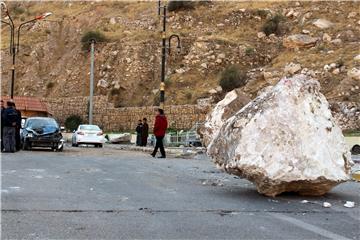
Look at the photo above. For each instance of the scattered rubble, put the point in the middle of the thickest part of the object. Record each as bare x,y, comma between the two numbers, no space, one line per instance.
299,41
326,204
263,141
121,138
349,204
323,23
354,73
292,68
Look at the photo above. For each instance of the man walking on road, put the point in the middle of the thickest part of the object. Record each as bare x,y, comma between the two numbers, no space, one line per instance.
160,127
10,118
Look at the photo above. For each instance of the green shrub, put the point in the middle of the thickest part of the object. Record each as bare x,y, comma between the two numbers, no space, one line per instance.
340,63
50,85
180,5
249,51
273,25
232,77
72,122
262,13
87,36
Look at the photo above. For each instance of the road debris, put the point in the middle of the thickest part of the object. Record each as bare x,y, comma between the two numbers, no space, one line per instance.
349,204
326,205
212,182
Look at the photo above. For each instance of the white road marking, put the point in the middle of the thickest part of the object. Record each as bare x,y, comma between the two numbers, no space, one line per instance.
309,227
36,170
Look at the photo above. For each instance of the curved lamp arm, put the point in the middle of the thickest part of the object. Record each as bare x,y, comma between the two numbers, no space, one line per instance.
178,42
41,17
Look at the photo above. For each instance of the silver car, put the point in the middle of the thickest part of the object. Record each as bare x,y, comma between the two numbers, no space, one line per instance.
89,135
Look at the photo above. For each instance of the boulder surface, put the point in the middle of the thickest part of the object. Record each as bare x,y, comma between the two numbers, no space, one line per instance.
285,140
233,101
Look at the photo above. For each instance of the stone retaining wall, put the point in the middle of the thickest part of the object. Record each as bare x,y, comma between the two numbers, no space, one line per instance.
123,119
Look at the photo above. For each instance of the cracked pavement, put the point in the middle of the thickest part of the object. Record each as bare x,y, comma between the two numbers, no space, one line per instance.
88,193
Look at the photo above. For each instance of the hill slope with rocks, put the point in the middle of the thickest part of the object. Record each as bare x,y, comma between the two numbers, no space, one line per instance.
320,39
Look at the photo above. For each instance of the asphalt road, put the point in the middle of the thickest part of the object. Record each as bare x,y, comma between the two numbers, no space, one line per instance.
87,193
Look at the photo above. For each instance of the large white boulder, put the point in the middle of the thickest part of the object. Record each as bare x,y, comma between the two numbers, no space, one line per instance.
285,140
232,101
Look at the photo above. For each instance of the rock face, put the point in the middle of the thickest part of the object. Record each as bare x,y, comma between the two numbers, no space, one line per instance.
285,140
233,101
322,23
299,41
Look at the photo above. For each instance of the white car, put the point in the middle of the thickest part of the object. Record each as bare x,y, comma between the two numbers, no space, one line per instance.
88,134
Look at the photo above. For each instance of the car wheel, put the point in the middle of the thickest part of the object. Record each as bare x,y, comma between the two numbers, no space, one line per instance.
26,145
355,149
100,145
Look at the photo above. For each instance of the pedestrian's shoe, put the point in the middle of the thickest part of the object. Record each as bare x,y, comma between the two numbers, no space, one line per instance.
162,157
153,155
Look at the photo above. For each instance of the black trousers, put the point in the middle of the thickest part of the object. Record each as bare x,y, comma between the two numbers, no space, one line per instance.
159,144
17,139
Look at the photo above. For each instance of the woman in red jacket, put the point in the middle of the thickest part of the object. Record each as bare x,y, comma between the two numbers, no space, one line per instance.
160,127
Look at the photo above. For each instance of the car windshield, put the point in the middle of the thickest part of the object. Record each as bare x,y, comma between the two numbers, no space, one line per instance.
41,123
89,127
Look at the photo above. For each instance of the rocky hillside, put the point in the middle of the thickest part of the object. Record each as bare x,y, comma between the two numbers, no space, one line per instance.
320,39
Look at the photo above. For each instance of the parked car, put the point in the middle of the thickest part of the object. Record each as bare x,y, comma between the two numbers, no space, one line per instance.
354,144
88,134
41,132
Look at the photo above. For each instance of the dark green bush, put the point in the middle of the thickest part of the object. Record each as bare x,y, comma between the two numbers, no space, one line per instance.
180,5
50,85
232,77
273,25
87,36
72,122
249,51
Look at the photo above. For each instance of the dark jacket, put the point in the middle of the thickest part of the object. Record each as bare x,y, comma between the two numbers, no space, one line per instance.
139,128
10,117
145,130
18,120
160,126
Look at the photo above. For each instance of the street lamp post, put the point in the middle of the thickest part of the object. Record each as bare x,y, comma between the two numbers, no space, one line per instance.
163,52
14,49
92,52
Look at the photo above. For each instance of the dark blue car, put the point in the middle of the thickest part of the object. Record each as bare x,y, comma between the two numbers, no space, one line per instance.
42,132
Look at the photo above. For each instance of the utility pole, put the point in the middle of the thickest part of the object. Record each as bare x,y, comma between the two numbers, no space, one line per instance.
92,52
163,51
163,60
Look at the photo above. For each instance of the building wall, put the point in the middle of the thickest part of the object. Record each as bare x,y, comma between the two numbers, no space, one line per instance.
124,119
